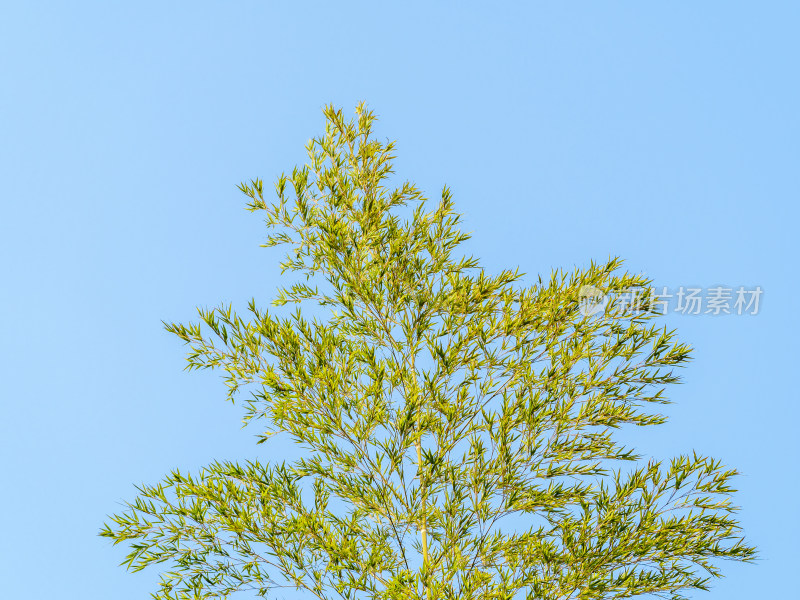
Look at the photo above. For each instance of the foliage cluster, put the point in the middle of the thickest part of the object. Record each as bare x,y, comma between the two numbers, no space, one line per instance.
457,428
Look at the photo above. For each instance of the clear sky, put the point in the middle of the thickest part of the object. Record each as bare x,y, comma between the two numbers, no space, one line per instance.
665,133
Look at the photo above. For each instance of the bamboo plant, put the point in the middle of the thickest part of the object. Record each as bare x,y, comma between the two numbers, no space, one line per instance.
456,431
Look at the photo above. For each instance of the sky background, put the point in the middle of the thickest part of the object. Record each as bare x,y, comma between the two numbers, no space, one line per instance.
665,133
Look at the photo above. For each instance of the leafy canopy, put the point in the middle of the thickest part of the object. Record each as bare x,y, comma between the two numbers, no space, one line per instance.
457,428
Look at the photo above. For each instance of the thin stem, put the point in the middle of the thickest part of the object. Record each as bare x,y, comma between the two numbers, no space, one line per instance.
423,526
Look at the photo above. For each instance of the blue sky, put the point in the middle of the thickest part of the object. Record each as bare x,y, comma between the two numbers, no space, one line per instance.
665,133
